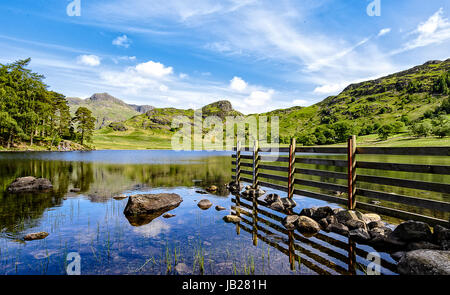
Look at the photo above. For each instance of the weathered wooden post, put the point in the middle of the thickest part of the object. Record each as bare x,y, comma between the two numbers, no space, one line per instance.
255,221
255,164
291,169
351,174
238,164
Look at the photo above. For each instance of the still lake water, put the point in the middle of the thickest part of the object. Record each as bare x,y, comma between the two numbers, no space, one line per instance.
92,223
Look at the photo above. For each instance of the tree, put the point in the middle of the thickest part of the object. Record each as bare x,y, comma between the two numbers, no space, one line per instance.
385,131
86,123
421,129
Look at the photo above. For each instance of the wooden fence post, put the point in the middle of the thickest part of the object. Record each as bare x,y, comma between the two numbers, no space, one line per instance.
291,172
351,174
238,163
255,164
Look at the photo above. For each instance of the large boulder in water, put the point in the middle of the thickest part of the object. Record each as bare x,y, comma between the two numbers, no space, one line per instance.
425,262
151,203
412,231
29,184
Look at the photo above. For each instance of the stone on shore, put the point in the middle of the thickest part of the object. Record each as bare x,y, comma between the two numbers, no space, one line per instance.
29,184
425,262
211,188
290,221
322,212
35,236
338,228
359,235
411,231
288,203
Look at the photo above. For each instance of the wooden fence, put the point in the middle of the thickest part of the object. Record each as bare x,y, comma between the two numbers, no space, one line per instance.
354,182
323,255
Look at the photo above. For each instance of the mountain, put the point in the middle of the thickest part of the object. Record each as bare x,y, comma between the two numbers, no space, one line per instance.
399,100
107,108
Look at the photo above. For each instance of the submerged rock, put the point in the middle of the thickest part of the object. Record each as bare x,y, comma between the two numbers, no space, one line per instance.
29,184
411,231
232,218
182,269
425,262
234,186
151,203
120,197
204,204
220,208
36,236
211,188
201,192
169,215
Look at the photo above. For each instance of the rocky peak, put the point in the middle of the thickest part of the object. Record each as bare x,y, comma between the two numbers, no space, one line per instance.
222,105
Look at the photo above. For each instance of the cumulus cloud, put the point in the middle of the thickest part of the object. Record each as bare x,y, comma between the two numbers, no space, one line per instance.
259,98
154,69
299,102
89,60
329,88
163,88
122,41
384,32
238,84
153,229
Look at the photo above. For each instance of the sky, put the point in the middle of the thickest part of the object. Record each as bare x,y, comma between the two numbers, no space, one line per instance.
259,55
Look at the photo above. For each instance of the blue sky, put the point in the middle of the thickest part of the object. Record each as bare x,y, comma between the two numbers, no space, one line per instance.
260,55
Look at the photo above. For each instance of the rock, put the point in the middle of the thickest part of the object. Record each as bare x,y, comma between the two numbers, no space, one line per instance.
75,190
270,198
35,236
220,208
411,231
288,203
425,262
204,204
337,210
308,212
322,212
441,236
387,243
232,218
290,221
151,203
201,192
323,223
422,245
346,215
380,231
234,186
370,217
355,224
397,255
182,269
338,228
253,192
331,219
29,184
374,224
359,235
277,205
120,197
307,225
169,215
211,188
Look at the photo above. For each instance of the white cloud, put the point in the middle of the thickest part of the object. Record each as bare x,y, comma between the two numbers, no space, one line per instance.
183,75
163,88
300,102
122,41
259,98
89,60
329,88
435,30
152,229
154,69
238,84
384,32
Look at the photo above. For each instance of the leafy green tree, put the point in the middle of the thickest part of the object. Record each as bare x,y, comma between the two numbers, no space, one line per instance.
421,129
307,139
385,131
86,123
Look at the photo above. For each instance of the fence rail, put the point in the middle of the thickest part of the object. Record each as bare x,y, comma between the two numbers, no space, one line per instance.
356,184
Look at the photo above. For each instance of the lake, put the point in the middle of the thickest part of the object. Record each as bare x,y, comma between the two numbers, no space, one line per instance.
91,222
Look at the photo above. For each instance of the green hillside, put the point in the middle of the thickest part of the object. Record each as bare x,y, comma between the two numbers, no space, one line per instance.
407,105
106,108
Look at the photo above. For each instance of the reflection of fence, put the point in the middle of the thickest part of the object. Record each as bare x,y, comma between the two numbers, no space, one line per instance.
353,187
316,254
